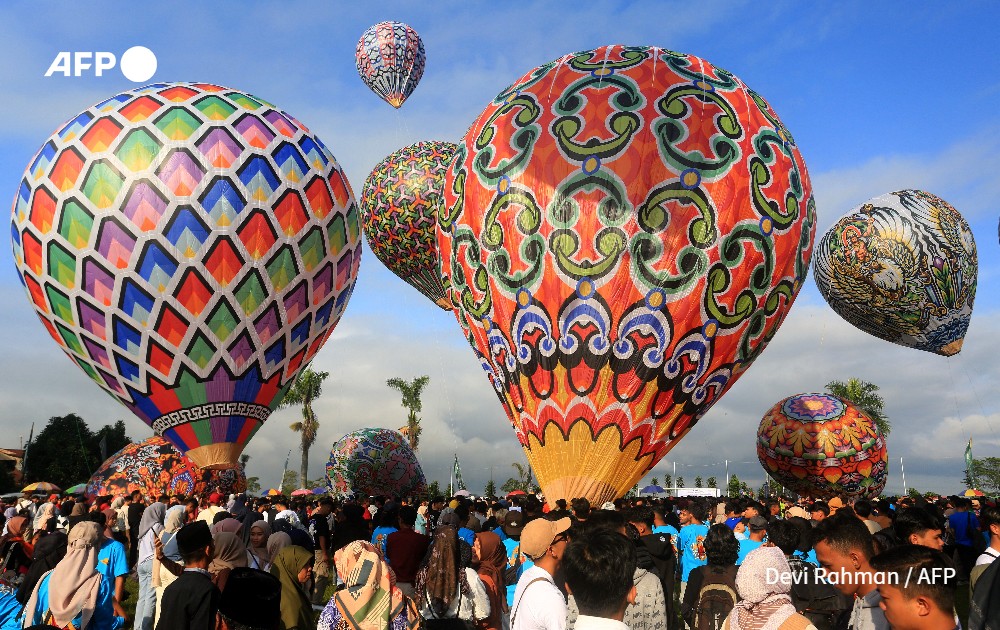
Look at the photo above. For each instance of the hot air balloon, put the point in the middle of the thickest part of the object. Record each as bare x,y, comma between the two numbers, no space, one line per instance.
902,267
374,462
390,58
820,445
154,467
624,230
190,247
399,204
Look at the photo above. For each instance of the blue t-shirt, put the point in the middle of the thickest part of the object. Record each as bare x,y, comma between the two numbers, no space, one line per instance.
10,609
502,534
380,535
746,546
111,561
513,549
809,557
466,534
963,523
691,545
104,614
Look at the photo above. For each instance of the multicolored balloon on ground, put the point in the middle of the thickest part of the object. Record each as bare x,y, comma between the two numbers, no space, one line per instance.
399,205
902,267
390,58
624,230
190,247
374,462
154,467
820,445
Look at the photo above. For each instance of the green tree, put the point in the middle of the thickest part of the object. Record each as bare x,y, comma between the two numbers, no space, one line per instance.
733,489
66,452
289,482
305,389
433,489
864,395
522,482
491,489
253,485
668,481
986,472
712,483
411,391
656,481
680,482
698,482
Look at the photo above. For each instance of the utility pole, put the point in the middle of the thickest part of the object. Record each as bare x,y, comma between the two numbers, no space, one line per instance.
903,471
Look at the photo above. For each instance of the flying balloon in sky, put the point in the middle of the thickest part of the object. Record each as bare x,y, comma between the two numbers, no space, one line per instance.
399,204
624,230
902,267
190,247
390,58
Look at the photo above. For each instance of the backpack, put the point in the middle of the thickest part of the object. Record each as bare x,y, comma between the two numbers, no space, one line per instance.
820,603
716,600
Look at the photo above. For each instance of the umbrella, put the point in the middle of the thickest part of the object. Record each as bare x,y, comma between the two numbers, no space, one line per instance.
319,490
652,490
79,488
516,493
300,492
42,486
463,493
974,493
273,492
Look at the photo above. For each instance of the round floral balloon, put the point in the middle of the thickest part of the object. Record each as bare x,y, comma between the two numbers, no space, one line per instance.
374,462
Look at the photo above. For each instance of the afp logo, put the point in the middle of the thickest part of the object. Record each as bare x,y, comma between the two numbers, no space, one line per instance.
138,64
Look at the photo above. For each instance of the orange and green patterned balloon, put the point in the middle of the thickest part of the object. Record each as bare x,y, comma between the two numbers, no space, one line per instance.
821,445
624,231
190,247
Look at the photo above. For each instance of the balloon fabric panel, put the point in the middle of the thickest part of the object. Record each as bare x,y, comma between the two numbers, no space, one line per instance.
820,445
374,462
390,59
902,267
399,204
624,230
190,247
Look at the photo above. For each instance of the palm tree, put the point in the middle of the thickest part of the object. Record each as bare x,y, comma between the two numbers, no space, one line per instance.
864,395
306,388
411,391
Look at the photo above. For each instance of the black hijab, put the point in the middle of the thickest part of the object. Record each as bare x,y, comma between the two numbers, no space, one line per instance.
48,552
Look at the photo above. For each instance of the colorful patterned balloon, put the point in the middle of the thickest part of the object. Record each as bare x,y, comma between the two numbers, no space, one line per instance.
374,462
902,267
624,230
190,247
399,205
820,445
154,467
390,58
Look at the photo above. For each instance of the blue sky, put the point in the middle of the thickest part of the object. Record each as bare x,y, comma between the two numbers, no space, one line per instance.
880,96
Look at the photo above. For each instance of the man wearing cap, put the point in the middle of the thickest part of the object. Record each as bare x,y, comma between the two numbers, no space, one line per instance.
757,528
517,562
538,602
214,507
191,601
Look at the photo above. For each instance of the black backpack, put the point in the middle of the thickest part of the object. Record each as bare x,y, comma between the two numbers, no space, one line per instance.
716,599
820,603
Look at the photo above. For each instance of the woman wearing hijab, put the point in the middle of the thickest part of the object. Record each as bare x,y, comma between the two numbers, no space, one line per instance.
45,521
230,553
76,515
229,526
293,568
15,551
765,603
257,550
150,526
445,589
49,551
162,576
370,599
492,555
73,592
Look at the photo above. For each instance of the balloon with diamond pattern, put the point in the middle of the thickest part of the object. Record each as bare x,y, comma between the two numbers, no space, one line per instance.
190,247
390,59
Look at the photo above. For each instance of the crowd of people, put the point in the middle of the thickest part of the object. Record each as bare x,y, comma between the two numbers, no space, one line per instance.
371,563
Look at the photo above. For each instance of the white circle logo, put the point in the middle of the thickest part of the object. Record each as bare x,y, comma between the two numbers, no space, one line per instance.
138,64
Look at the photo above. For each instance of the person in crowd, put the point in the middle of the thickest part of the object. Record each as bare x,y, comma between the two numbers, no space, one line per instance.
405,548
76,515
259,556
167,548
863,508
598,568
991,524
490,558
819,602
370,598
444,588
917,526
658,548
717,576
133,518
690,541
276,542
293,567
844,546
538,602
911,598
818,511
214,507
15,550
420,523
45,521
251,601
230,553
764,602
73,592
47,554
352,528
191,602
387,520
148,531
734,509
756,531
227,524
517,562
319,528
112,561
661,526
964,526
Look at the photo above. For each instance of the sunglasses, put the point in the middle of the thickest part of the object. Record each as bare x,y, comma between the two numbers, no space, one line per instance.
560,538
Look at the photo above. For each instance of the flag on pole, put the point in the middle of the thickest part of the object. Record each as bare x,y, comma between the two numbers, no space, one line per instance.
968,463
104,447
457,472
